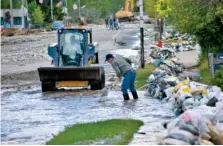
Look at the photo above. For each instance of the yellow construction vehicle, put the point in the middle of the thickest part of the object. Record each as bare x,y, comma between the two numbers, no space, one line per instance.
127,13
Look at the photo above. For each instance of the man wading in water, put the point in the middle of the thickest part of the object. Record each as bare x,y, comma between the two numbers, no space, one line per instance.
122,67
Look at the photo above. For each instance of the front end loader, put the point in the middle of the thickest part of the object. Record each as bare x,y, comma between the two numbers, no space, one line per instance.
74,58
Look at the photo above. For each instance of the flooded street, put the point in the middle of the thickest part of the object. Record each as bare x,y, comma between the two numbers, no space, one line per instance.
31,117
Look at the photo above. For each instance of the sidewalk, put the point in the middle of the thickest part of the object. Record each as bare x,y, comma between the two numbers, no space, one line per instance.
189,58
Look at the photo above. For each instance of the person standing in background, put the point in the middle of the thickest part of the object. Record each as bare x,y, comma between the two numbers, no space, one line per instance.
111,23
106,23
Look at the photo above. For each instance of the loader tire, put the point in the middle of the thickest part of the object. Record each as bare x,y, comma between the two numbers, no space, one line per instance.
98,85
48,86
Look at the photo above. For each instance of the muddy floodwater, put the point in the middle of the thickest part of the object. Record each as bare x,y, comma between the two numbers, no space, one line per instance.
31,117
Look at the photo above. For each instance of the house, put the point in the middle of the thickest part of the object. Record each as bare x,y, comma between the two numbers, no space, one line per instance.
19,18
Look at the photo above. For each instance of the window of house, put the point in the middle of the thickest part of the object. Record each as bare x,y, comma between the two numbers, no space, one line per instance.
2,20
17,20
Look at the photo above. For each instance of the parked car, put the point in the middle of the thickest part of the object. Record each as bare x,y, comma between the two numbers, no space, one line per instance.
37,26
57,25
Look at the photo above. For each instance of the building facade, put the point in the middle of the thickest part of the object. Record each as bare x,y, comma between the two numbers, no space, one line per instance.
18,18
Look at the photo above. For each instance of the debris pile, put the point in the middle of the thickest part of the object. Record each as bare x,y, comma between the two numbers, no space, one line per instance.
198,108
166,59
179,42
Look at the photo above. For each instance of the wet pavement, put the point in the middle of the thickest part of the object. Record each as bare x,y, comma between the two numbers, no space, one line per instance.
31,117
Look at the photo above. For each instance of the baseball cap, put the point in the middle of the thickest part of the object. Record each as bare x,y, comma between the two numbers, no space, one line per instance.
108,56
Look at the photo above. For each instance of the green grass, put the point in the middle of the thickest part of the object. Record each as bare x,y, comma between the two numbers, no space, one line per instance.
204,72
143,74
110,132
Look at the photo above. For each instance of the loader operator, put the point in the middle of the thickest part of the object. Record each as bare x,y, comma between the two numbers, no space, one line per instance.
122,67
73,49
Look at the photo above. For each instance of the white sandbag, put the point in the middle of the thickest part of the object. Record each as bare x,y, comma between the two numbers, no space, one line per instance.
213,91
171,141
184,95
169,92
221,97
192,85
151,78
219,110
204,101
182,135
197,85
192,117
190,103
208,112
181,49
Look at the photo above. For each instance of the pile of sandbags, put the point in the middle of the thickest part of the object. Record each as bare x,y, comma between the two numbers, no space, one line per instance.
179,42
158,81
165,58
188,95
182,93
192,128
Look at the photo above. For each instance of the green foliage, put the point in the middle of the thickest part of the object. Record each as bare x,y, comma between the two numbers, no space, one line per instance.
37,16
58,13
218,80
204,70
103,7
206,77
162,8
149,6
157,8
31,8
5,4
142,75
91,133
201,18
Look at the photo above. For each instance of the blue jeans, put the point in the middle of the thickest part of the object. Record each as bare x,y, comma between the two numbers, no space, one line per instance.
128,82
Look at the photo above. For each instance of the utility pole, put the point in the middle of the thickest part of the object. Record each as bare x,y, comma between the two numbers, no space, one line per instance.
79,8
11,14
27,15
66,8
51,5
141,35
23,19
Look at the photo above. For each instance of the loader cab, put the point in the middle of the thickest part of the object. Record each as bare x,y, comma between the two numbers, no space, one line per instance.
75,47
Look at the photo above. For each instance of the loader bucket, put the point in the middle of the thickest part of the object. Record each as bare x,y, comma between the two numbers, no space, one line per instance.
49,76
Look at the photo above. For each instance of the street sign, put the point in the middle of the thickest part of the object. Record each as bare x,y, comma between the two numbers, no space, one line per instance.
75,6
211,63
138,3
220,56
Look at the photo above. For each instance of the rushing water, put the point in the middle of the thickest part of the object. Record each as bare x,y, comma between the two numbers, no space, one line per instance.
31,117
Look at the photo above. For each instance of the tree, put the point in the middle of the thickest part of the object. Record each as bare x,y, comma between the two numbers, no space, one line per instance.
202,18
149,6
103,7
31,9
5,4
38,16
162,8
